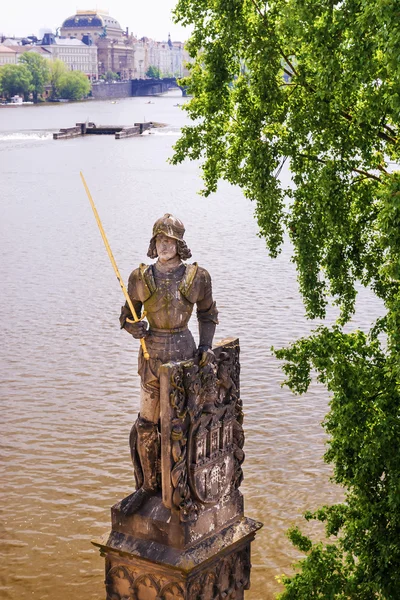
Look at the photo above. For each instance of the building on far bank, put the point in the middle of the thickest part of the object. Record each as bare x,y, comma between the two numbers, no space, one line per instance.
32,48
140,58
119,51
179,58
75,54
93,42
114,45
95,23
169,57
18,41
8,56
18,50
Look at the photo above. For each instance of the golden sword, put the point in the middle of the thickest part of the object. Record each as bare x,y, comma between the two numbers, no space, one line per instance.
114,264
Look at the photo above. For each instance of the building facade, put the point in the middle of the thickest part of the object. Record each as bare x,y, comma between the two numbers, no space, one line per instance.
8,56
114,45
169,57
98,24
74,53
119,51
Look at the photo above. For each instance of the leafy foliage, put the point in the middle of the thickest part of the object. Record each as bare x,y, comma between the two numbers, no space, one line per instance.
364,448
317,84
15,79
110,76
74,85
39,70
57,70
153,72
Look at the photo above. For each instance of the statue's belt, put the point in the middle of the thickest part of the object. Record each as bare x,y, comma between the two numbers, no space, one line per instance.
167,331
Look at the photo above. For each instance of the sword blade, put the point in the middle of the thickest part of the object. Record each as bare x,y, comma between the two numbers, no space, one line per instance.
114,264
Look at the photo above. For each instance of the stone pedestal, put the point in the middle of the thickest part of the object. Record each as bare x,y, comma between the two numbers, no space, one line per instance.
144,568
190,541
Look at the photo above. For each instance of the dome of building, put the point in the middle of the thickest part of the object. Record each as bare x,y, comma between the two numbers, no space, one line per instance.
90,18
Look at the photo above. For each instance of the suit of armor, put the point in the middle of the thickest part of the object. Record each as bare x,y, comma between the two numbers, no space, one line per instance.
168,296
168,299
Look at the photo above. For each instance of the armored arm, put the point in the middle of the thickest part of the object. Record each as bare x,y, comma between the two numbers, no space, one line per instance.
207,313
138,330
208,320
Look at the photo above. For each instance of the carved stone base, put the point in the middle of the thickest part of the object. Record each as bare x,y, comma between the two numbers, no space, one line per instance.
217,567
154,522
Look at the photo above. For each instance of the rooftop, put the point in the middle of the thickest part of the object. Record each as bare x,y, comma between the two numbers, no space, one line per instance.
63,41
12,42
7,49
91,18
22,49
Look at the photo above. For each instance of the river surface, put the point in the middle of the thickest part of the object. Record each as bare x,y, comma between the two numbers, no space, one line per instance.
69,389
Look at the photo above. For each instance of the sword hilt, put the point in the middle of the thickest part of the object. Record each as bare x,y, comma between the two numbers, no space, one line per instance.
142,342
138,319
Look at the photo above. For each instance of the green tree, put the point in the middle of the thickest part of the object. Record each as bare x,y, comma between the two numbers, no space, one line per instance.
57,70
153,72
110,76
74,85
317,84
15,79
39,70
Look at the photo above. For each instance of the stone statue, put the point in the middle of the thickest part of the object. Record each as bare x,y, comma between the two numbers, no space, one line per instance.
182,535
167,291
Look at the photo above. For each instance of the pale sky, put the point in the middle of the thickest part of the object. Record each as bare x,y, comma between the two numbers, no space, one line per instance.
146,17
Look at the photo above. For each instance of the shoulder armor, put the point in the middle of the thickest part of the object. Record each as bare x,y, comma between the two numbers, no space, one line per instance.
188,278
147,278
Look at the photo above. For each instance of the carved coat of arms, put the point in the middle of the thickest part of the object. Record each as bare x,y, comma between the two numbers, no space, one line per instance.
202,433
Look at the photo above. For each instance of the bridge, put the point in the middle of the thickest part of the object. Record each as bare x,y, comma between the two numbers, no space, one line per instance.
134,87
152,87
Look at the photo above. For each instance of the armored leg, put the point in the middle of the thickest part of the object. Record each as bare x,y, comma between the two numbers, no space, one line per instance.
148,449
150,402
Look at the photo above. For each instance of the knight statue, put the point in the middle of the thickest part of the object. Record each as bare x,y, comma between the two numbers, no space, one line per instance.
167,291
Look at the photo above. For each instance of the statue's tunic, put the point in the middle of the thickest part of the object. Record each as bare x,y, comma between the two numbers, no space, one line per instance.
168,299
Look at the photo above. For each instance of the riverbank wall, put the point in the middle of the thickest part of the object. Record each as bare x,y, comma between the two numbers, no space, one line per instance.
117,89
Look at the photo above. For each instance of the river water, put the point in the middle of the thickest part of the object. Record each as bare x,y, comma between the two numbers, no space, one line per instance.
69,389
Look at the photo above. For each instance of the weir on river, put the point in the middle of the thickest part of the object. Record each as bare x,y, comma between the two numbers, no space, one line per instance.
89,128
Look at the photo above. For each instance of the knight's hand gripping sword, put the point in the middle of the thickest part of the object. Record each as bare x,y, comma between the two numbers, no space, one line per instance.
114,264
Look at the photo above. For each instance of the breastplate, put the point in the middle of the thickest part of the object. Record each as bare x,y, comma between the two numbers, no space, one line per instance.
167,308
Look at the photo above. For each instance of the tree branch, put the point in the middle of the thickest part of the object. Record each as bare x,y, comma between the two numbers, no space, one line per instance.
391,131
380,168
380,134
288,72
325,162
361,172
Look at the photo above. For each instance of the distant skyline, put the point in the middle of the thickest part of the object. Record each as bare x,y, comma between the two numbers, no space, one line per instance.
152,18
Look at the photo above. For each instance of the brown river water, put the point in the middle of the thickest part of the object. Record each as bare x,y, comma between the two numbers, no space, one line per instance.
69,389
